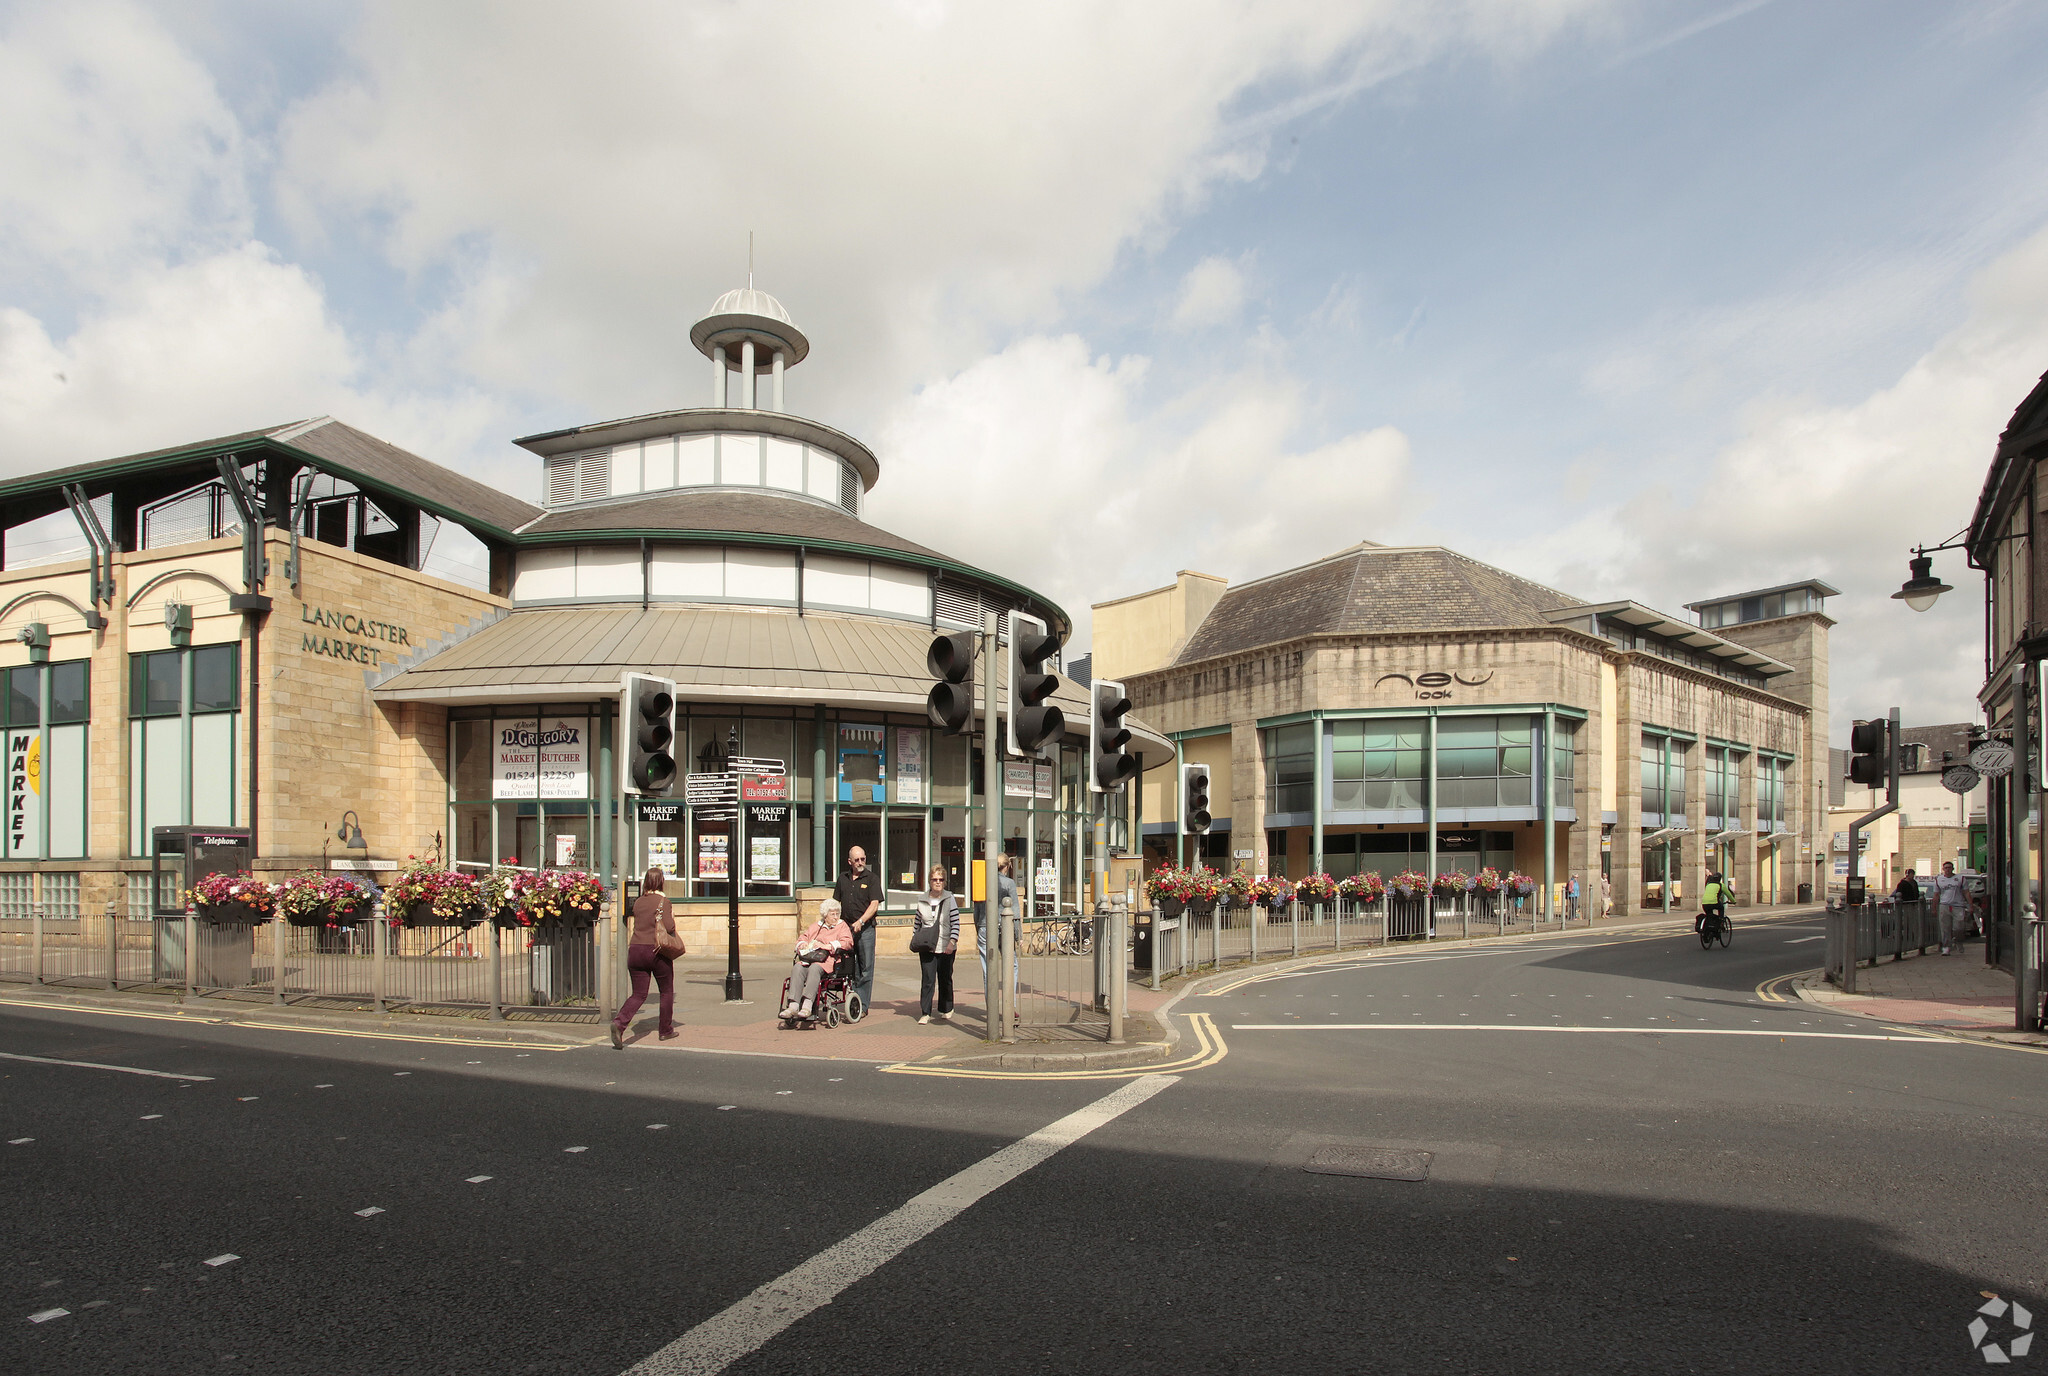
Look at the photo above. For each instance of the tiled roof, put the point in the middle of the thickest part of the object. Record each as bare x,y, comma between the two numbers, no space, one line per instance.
1372,590
387,465
740,512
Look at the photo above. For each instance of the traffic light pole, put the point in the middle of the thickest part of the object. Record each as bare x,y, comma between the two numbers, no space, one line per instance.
996,934
735,870
1891,805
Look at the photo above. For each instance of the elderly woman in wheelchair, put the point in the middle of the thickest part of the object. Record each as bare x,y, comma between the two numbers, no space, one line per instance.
820,951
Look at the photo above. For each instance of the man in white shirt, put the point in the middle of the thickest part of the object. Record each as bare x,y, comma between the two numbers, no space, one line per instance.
1951,902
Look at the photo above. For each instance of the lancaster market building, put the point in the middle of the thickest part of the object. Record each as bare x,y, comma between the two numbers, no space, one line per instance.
271,628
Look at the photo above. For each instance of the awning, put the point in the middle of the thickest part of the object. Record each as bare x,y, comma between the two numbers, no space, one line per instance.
715,654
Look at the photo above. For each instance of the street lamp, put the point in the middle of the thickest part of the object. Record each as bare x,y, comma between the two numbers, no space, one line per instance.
350,833
1920,590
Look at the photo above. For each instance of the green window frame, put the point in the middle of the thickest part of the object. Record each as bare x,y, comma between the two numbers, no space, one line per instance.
184,705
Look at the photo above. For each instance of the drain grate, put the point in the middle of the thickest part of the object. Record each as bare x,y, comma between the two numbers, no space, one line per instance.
1375,1163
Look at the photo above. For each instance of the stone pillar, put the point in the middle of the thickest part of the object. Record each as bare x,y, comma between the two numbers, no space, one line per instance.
1693,846
1627,858
1744,874
719,368
1248,794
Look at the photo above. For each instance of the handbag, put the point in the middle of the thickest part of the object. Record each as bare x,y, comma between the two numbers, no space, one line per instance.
926,938
812,955
668,941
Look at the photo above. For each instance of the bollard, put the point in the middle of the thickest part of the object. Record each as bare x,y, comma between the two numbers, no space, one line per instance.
191,956
378,934
113,949
1119,985
494,940
1294,928
277,935
35,913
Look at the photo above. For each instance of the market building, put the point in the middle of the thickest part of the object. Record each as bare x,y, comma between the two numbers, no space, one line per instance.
1393,708
266,630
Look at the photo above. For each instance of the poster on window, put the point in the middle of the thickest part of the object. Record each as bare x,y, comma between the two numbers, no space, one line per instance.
24,793
712,854
661,854
910,766
764,859
515,759
546,757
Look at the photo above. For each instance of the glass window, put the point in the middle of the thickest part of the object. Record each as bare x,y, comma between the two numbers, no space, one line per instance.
1290,767
1653,775
1564,759
470,764
24,695
68,696
1674,782
215,680
165,690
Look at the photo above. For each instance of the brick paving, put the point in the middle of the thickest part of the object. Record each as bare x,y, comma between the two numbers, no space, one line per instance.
1957,993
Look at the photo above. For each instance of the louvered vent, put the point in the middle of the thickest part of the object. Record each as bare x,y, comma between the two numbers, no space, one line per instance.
956,605
579,477
849,488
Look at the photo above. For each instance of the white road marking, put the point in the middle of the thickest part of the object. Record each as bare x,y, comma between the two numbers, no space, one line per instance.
477,1179
19,1141
726,1337
247,1098
45,1315
656,1127
575,1149
366,1213
147,1116
95,1065
323,1086
223,1259
1798,940
1542,1027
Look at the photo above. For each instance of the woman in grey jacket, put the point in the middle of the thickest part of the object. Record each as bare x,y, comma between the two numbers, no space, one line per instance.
935,939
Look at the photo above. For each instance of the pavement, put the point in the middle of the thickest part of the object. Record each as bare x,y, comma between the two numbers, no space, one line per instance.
1630,1160
1957,994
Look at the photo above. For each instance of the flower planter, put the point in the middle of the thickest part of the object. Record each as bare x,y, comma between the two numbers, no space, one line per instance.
568,919
345,917
1202,907
509,918
312,917
423,915
234,914
1171,907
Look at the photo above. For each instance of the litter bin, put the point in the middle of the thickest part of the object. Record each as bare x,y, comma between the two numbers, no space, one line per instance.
1806,893
1141,941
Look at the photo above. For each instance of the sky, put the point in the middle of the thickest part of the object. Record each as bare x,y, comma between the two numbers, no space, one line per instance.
1658,299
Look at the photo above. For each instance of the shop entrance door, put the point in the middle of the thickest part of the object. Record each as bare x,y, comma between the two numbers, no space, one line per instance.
905,855
863,829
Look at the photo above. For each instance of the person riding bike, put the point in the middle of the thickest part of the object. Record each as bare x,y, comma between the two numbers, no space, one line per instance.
1713,904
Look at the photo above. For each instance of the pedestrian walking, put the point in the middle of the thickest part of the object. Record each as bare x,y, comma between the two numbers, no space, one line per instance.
1951,903
651,951
1606,895
1571,899
859,892
936,939
1006,905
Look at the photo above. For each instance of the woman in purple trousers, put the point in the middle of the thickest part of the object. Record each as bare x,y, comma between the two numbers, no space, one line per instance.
651,950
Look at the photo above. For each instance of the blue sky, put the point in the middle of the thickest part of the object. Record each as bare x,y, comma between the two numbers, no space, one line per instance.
1636,297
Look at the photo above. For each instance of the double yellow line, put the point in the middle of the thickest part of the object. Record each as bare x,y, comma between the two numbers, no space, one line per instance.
1209,1049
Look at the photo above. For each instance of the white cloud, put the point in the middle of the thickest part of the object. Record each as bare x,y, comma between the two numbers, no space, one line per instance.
1054,467
1212,293
1841,493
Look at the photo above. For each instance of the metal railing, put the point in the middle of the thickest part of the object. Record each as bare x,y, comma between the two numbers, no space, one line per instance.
1885,928
514,971
1222,934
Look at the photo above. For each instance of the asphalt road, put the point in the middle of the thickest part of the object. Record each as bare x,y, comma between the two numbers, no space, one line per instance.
1732,1192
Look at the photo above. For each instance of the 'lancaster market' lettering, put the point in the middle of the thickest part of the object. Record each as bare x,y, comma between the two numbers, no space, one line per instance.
339,649
353,624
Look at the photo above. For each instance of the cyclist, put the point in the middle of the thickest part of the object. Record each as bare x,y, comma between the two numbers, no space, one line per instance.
1713,904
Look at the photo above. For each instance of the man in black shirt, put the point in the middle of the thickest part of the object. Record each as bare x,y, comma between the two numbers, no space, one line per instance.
860,899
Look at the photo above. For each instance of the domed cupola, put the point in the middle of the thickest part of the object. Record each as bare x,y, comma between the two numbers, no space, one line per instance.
749,330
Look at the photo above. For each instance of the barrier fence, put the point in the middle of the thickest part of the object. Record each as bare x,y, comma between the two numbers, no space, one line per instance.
1882,929
1222,934
538,971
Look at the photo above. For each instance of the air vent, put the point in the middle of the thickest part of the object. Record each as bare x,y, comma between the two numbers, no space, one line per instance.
849,488
579,477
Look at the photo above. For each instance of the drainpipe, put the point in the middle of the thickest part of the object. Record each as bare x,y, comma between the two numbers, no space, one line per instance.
254,607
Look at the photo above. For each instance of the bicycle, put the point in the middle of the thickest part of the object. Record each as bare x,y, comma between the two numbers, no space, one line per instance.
1715,926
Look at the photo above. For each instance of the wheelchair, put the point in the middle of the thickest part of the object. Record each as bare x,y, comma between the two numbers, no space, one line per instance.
837,1001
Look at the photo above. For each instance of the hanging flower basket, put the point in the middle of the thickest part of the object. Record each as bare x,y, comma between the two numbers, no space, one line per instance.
559,898
440,913
1368,887
1271,891
509,918
1411,883
233,914
1316,890
233,900
1171,907
1449,884
424,896
1520,885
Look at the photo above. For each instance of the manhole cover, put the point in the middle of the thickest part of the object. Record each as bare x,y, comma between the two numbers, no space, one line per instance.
1377,1163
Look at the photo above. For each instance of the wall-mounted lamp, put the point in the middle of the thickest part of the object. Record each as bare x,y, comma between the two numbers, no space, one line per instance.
1922,587
36,636
178,621
350,833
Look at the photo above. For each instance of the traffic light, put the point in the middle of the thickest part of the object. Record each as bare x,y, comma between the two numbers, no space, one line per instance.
1194,799
951,702
1032,723
1869,754
650,717
1107,736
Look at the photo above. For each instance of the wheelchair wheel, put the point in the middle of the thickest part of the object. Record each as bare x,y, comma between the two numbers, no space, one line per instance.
831,1016
855,1009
